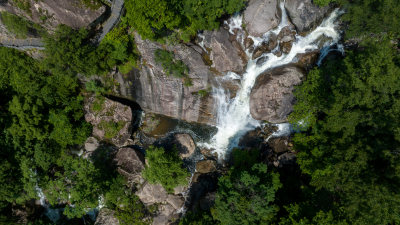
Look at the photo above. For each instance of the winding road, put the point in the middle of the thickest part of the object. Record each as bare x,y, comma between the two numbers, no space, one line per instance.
37,43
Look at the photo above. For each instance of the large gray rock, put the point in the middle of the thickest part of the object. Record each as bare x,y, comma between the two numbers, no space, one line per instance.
261,16
271,98
304,14
106,217
156,92
152,193
130,162
72,12
225,56
111,120
185,145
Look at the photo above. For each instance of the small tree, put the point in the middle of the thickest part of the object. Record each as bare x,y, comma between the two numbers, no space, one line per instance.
164,168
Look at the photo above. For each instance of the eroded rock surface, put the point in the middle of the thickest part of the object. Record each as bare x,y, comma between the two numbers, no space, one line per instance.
304,14
51,13
106,217
111,120
152,193
271,98
130,163
225,56
261,16
156,92
185,144
206,166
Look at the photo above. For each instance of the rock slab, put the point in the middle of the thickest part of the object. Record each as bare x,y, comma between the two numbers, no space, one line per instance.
271,98
261,16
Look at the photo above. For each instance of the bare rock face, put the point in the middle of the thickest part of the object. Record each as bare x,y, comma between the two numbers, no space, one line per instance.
261,16
304,14
152,193
130,162
51,13
225,56
185,145
176,201
206,166
106,217
91,144
271,98
156,92
111,120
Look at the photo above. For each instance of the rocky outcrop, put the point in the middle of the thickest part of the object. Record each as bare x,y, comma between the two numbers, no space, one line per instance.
304,14
130,163
224,55
156,92
266,46
106,217
185,144
111,120
206,166
261,16
271,98
51,13
152,193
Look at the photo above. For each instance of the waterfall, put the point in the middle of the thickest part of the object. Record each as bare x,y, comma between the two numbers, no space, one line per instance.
233,115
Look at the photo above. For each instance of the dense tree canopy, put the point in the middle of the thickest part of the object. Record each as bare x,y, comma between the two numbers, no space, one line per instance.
351,109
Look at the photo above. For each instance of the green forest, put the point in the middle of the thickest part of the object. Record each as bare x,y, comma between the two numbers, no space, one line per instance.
347,114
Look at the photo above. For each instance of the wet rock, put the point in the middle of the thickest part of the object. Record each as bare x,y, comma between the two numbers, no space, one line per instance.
271,98
207,153
206,166
91,144
224,54
185,144
278,53
176,201
279,145
252,139
158,93
130,162
287,34
248,42
261,16
307,60
266,46
261,60
51,13
288,158
106,217
304,14
152,193
111,120
286,47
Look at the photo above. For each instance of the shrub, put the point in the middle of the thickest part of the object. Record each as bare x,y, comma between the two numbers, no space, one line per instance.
111,129
165,168
20,26
173,66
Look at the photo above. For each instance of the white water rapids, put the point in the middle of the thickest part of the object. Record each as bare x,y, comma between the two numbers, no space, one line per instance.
234,119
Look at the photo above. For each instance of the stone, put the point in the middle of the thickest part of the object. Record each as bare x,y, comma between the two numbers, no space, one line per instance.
176,201
158,93
225,56
288,158
129,161
271,98
307,60
110,114
252,139
304,14
206,166
180,189
152,193
185,144
266,46
261,16
286,46
71,13
106,217
287,34
91,144
279,145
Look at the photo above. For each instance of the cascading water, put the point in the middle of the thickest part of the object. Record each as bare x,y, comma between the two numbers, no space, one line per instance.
234,118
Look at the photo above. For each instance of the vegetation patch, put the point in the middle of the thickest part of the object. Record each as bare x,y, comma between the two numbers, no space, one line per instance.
111,128
172,66
165,168
21,27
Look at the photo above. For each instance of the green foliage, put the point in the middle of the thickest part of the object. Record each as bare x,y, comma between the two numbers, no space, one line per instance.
371,16
111,128
198,218
323,2
25,5
129,209
172,66
165,168
20,26
155,19
351,107
246,196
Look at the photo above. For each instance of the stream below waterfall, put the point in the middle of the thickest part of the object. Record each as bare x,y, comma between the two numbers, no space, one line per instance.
233,115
